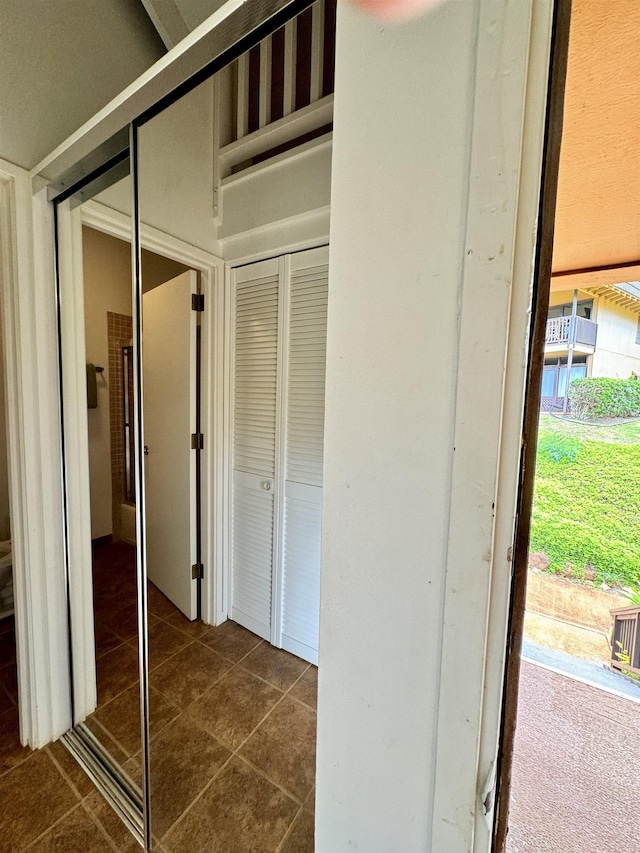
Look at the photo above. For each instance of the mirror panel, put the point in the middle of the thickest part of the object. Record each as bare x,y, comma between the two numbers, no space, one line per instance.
194,481
94,266
236,173
175,193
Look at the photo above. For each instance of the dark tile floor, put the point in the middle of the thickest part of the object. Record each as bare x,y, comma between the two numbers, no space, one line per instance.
233,724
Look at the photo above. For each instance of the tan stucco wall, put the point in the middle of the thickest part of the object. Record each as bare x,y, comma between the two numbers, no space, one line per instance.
617,353
598,210
562,297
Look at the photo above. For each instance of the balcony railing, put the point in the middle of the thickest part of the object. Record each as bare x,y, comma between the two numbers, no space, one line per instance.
571,330
625,646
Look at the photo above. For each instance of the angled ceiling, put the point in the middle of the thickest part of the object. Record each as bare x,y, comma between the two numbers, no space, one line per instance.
173,19
598,208
61,62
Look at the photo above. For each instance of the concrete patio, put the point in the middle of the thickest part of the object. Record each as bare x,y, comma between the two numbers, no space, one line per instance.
576,766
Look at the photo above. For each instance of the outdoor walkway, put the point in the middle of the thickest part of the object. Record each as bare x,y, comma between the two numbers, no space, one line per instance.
595,673
576,769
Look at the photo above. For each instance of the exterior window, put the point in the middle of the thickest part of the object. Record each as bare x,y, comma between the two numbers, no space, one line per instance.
548,381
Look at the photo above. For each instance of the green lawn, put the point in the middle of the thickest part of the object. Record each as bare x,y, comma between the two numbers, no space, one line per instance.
587,499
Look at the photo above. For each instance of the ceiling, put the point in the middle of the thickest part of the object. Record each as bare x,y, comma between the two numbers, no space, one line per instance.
598,208
61,61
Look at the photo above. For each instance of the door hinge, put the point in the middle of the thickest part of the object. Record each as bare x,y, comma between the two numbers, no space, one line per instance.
197,301
197,441
197,571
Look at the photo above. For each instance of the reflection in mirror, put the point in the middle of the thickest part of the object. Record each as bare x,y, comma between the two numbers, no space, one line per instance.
9,718
236,174
98,363
108,331
95,283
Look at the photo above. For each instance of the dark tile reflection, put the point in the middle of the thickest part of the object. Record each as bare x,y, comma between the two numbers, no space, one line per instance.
232,727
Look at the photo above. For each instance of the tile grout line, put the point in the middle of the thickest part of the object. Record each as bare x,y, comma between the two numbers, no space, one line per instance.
112,737
63,772
234,754
235,664
98,824
14,704
20,762
289,831
51,826
297,800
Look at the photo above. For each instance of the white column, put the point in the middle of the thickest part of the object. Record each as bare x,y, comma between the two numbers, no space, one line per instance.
423,233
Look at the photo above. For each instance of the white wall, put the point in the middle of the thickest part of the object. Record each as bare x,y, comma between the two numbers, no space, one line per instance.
396,267
176,172
277,202
428,143
617,353
107,287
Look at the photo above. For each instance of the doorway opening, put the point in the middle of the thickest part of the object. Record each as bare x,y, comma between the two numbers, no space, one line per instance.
575,544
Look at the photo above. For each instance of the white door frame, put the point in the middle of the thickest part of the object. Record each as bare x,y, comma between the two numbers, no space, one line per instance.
33,445
211,269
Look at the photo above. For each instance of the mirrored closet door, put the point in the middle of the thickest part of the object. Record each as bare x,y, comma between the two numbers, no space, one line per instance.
193,316
233,373
96,330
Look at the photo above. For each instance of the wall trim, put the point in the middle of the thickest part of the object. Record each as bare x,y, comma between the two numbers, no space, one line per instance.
504,184
33,426
296,233
77,498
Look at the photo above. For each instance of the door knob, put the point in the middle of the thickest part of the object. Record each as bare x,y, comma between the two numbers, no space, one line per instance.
266,486
146,450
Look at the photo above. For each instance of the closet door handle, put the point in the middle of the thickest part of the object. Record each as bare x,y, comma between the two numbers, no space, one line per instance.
266,485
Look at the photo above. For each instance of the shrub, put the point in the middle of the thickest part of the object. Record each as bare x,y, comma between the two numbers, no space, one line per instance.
605,398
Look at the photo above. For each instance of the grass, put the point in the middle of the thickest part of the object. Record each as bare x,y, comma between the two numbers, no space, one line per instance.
607,430
586,511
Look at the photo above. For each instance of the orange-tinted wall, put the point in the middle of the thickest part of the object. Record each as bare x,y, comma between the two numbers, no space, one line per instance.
598,212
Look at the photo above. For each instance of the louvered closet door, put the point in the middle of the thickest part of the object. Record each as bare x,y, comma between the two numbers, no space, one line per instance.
255,355
304,417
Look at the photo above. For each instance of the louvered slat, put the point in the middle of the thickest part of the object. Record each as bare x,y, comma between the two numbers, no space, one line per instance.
252,558
254,443
301,572
306,376
256,341
304,448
